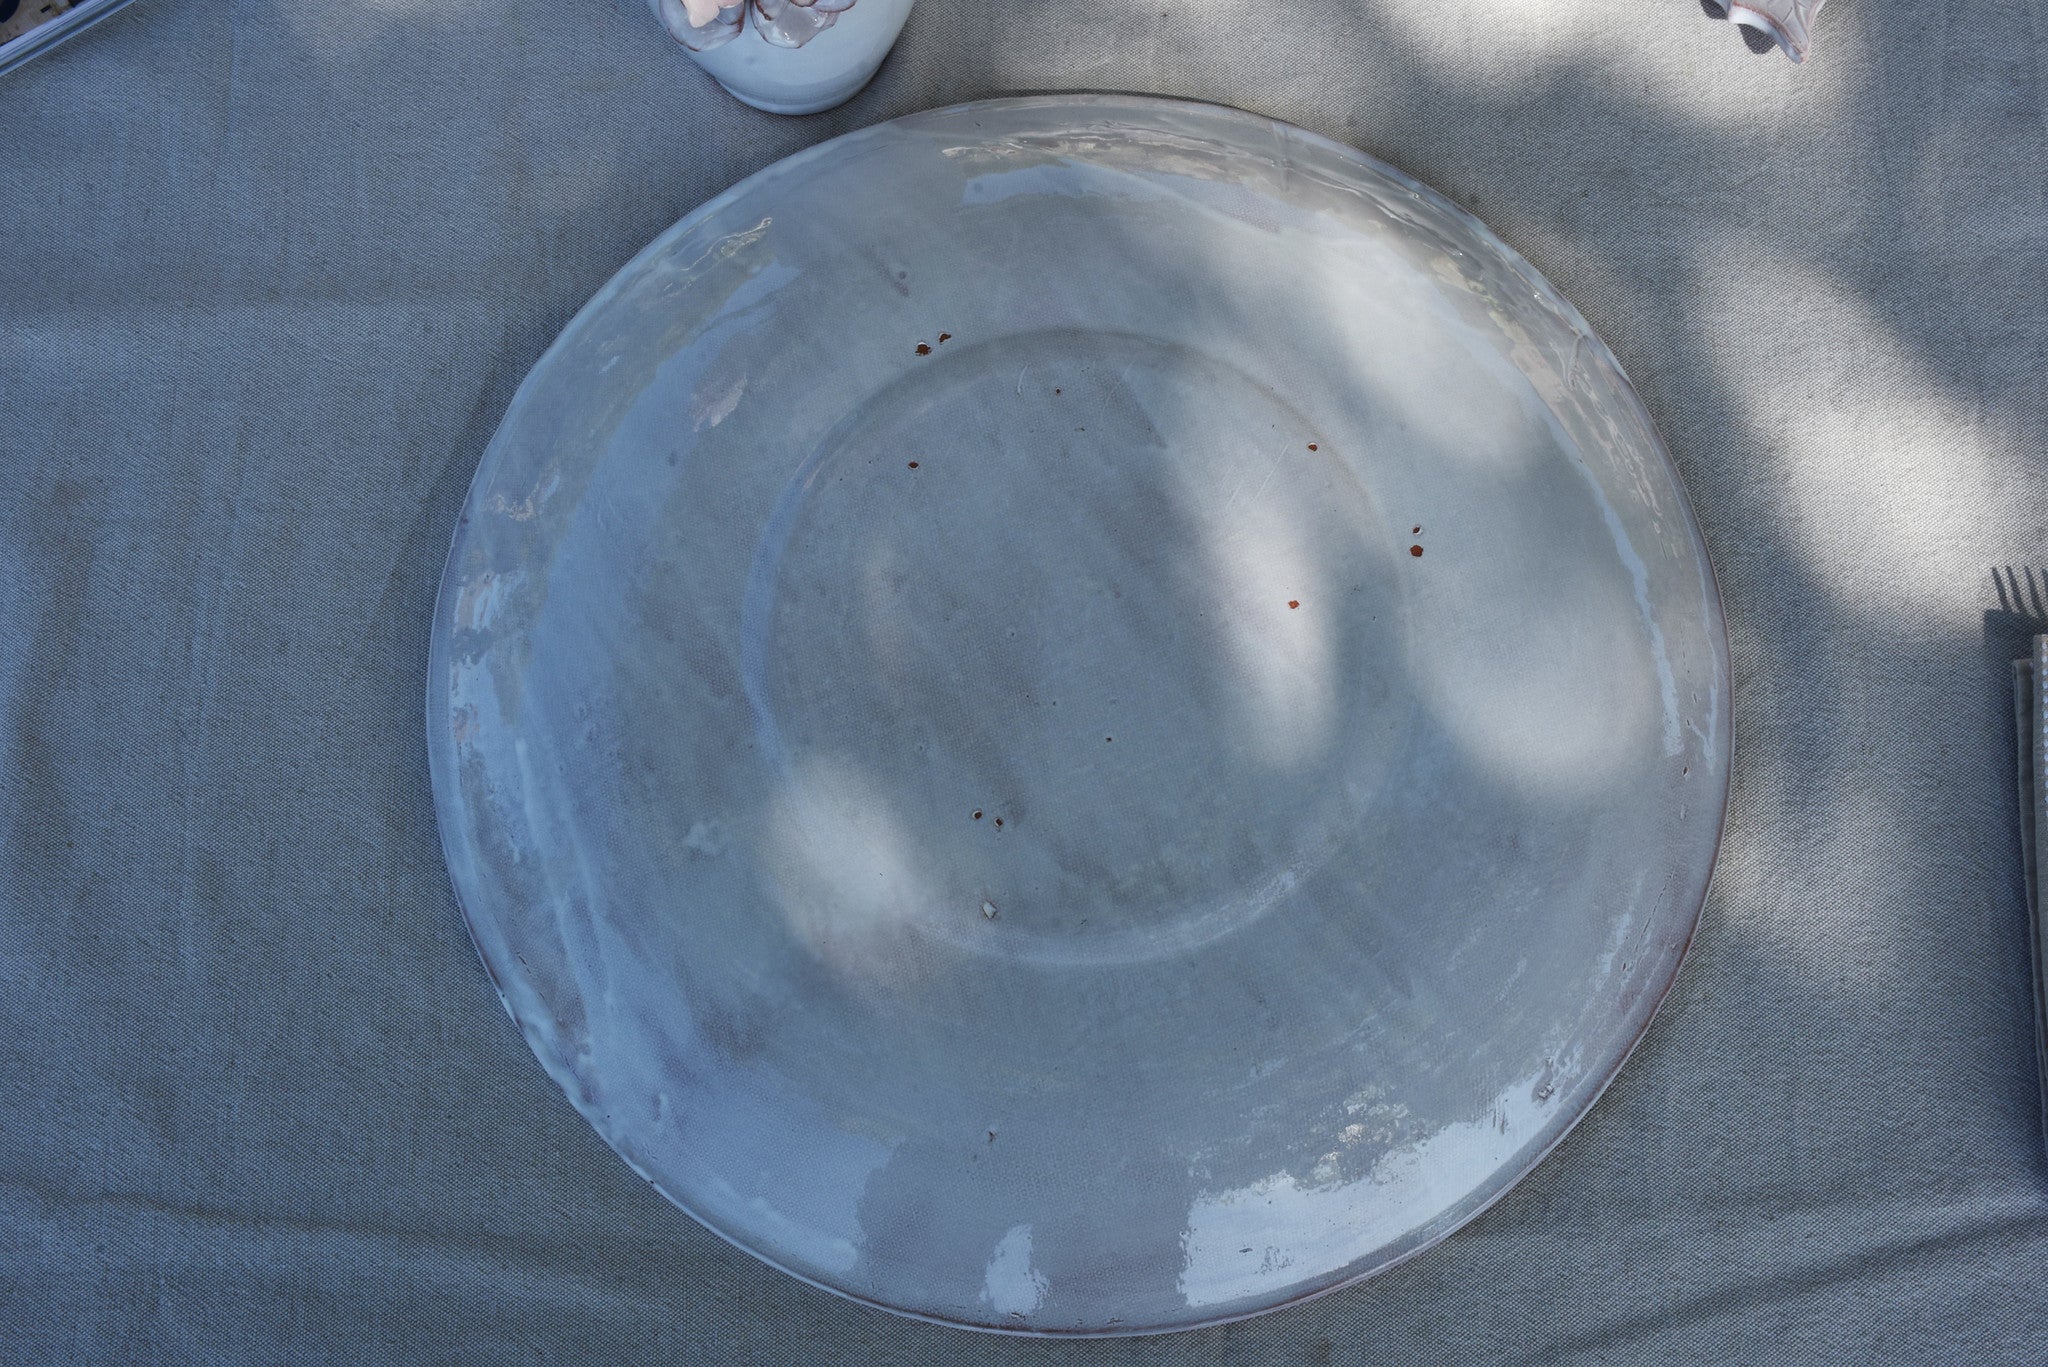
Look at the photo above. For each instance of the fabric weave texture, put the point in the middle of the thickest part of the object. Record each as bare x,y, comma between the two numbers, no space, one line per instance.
274,270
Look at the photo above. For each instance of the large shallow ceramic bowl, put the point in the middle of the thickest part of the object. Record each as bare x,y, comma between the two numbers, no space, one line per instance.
1079,715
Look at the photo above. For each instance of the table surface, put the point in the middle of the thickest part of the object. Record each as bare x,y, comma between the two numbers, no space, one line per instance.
272,274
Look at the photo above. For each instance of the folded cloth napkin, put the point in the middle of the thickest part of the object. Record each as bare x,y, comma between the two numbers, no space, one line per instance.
2030,709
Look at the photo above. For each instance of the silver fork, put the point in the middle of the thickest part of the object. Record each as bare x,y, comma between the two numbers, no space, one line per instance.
2023,608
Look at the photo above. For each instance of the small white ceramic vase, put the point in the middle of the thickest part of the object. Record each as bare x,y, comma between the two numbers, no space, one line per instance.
1788,23
789,56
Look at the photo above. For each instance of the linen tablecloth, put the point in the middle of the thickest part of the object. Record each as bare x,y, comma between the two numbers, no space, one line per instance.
272,271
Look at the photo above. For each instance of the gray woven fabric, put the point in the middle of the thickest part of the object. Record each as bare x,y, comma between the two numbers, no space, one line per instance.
272,272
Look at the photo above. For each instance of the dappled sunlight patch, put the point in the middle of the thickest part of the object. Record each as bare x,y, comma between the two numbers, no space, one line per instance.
1888,478
844,871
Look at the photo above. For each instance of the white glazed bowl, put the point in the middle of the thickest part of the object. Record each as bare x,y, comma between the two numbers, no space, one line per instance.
1079,715
810,59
